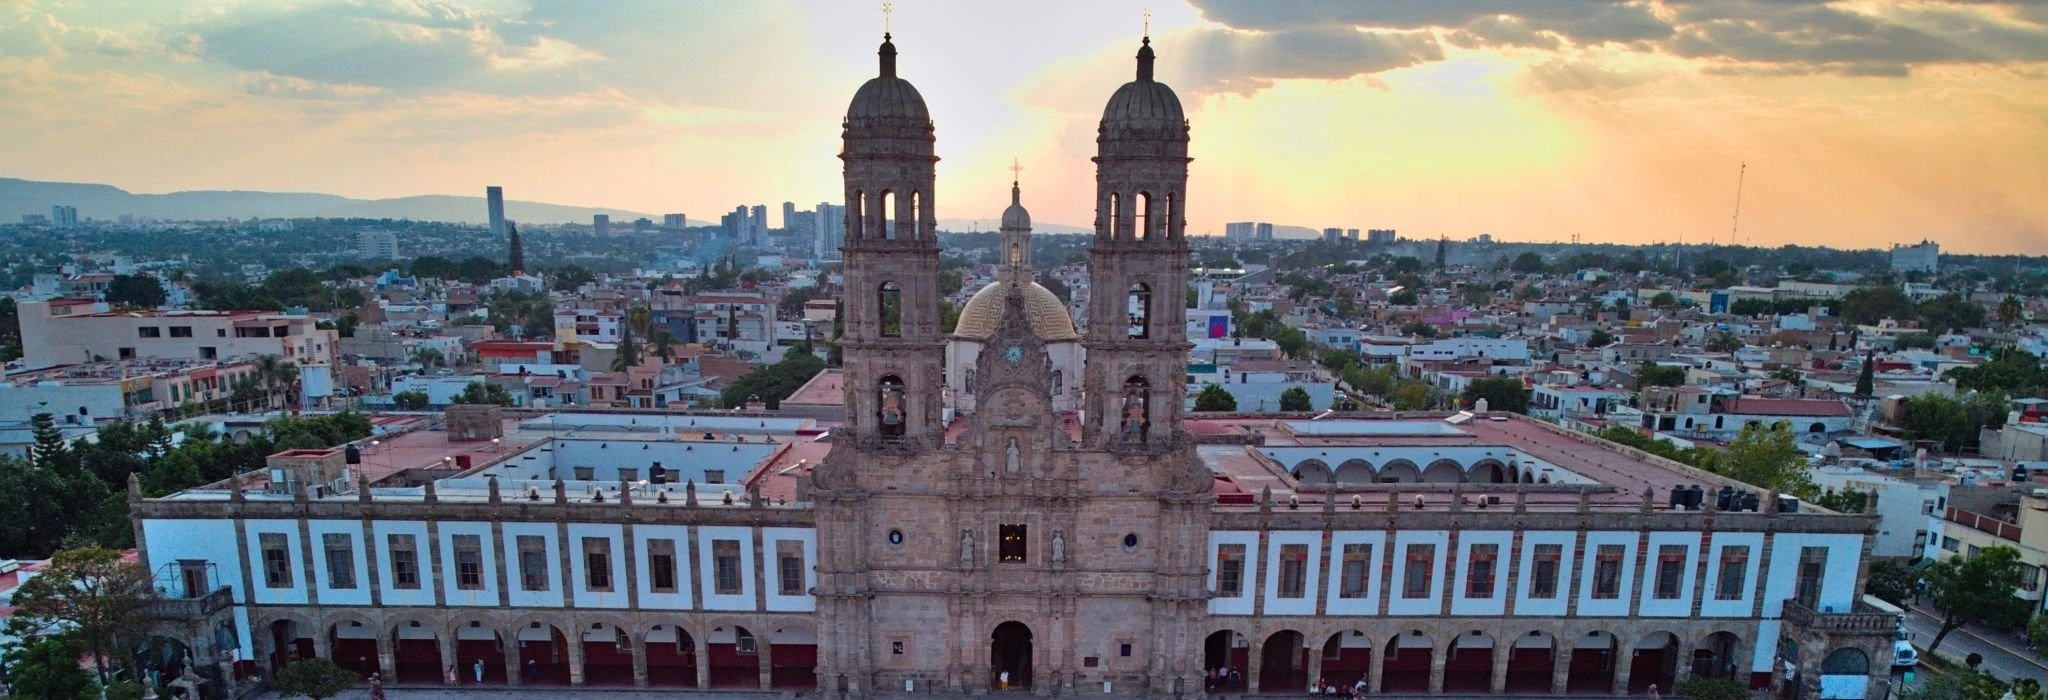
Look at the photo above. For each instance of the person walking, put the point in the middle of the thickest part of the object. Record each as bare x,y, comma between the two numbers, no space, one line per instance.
376,686
479,671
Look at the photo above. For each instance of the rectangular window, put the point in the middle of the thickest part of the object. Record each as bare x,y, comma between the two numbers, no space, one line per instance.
1415,574
1357,564
1813,562
1230,570
1293,570
149,331
1012,543
1543,570
725,559
1607,572
597,564
1734,569
661,565
1670,570
585,473
181,331
2030,579
405,561
629,474
341,560
277,560
533,563
714,476
1479,570
789,567
469,562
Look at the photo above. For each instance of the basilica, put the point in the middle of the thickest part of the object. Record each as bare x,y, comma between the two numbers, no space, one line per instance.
1071,532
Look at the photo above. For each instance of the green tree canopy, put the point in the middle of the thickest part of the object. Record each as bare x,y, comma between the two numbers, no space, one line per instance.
411,400
46,668
314,678
1215,399
141,291
89,592
772,383
1976,589
484,392
1501,394
1296,399
1765,457
1599,338
1649,374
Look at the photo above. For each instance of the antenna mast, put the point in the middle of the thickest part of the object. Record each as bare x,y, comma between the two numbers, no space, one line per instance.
1735,223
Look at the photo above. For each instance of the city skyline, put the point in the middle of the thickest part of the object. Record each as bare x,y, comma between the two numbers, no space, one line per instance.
1623,123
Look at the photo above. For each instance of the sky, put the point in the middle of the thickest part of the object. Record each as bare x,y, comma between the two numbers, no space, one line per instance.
1853,124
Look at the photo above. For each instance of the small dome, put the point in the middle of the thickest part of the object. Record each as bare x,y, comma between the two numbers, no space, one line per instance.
1144,104
1048,316
887,97
1016,217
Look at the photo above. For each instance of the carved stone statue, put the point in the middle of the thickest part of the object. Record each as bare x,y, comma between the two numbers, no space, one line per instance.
1134,414
967,549
1010,457
1059,547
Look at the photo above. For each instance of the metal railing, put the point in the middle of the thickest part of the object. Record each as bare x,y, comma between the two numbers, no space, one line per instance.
1862,620
190,608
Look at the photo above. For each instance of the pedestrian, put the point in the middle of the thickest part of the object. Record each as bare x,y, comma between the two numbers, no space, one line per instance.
1358,689
1003,681
479,671
376,686
532,670
1654,695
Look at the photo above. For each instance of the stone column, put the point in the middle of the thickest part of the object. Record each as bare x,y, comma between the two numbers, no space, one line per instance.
1375,665
1624,661
1560,666
1504,651
387,659
1682,671
321,647
515,673
1315,665
1252,661
1437,659
446,640
575,641
639,663
702,650
764,654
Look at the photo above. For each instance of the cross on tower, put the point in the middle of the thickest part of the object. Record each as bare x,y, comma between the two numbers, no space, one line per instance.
887,8
1016,170
1148,21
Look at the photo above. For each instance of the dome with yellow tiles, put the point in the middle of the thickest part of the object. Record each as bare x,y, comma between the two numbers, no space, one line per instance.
1048,315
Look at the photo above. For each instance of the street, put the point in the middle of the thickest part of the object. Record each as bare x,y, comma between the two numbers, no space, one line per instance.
2004,657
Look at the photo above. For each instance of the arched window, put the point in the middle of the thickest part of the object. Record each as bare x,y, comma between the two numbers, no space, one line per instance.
890,303
1139,305
889,407
1059,382
1136,409
1172,217
888,215
916,214
1016,255
1116,216
1144,216
857,222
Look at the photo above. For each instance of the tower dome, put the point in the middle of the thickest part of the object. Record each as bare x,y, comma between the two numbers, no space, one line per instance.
1144,106
1016,217
887,100
1043,309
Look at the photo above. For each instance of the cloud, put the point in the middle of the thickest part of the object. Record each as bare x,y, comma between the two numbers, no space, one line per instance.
398,45
1559,75
263,84
1204,60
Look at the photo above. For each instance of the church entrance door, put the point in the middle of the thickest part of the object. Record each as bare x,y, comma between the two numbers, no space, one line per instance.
1010,652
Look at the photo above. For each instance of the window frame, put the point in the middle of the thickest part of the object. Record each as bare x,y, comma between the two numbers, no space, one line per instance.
277,559
1293,574
1607,571
1544,563
1418,571
405,561
1481,560
341,575
725,567
469,562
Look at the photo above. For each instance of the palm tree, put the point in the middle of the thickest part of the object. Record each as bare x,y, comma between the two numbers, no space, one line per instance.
277,377
641,320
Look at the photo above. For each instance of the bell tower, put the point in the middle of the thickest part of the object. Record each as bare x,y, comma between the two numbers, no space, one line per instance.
893,346
1138,269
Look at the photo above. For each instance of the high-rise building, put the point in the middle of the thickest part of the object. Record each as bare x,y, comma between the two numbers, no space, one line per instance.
643,225
1240,230
1925,257
601,225
1380,236
735,224
63,216
494,198
831,231
1351,234
1265,231
674,222
789,217
1332,235
377,244
757,222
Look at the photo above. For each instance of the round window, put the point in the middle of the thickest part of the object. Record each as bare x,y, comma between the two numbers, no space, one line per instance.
895,538
1131,541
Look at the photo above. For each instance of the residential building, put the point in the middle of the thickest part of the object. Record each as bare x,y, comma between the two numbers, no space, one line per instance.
377,244
1925,257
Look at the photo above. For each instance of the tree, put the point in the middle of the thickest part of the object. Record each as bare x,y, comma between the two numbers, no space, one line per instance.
1419,329
1501,394
664,344
628,354
484,392
1664,300
1866,378
792,303
90,592
1599,339
1750,307
1411,395
2010,312
141,291
1954,421
428,356
772,383
10,330
1865,306
1724,341
2037,634
314,678
1293,343
1951,312
1405,297
1891,582
1844,501
1337,360
1977,589
1651,374
1215,399
47,669
1527,263
2010,369
1296,399
410,400
1768,458
1701,688
569,278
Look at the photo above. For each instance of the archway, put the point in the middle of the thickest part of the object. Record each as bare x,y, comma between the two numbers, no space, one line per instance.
1312,472
479,654
1847,661
1009,652
543,654
1283,663
1592,664
735,660
607,655
1443,471
1531,661
1407,666
793,658
1399,471
1654,661
1354,471
1347,657
415,653
353,645
1231,652
1715,658
1490,471
162,656
671,657
288,642
1468,666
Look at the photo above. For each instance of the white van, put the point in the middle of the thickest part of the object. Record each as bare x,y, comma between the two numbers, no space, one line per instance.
1904,656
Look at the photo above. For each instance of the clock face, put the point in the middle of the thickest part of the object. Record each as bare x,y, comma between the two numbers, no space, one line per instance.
1014,354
